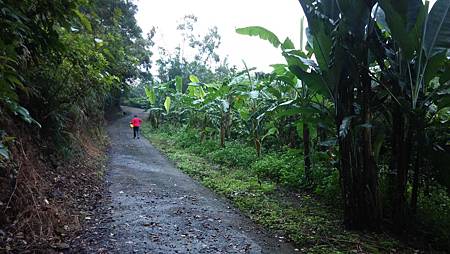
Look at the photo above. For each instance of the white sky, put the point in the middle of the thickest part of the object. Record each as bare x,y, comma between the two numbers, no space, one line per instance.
280,16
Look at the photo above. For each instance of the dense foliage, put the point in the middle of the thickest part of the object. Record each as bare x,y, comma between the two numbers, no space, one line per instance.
365,102
363,105
62,62
298,215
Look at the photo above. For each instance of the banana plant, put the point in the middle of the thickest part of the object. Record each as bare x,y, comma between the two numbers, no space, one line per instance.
314,113
335,26
417,81
202,102
299,62
159,99
339,35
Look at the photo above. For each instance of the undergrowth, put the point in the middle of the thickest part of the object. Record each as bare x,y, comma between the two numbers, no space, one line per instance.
262,188
46,195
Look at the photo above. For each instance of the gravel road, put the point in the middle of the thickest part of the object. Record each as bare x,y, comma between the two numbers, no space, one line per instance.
152,207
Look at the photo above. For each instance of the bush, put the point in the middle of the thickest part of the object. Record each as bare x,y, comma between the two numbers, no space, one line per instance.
203,149
138,102
285,168
185,137
190,140
327,183
293,175
434,212
269,166
234,155
325,177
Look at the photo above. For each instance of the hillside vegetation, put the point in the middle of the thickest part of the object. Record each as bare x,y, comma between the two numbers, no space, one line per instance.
62,65
358,114
345,146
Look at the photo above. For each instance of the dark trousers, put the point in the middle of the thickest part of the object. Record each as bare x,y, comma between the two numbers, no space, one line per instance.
135,132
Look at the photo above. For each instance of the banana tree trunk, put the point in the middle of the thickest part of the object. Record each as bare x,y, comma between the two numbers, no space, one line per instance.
258,145
401,136
347,162
293,137
228,119
222,130
229,123
420,140
370,171
322,134
358,174
306,152
203,130
256,138
415,186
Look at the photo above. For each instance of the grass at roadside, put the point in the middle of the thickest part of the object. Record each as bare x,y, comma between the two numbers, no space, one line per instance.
313,226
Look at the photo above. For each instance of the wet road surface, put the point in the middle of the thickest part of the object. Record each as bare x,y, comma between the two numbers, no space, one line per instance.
152,207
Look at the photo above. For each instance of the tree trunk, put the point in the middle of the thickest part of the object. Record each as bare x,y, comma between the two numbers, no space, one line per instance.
400,156
370,171
203,131
292,137
322,134
229,124
420,139
358,173
347,163
256,139
415,187
258,146
228,119
222,131
306,152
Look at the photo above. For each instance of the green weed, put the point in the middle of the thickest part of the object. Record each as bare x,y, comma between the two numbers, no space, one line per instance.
311,225
234,155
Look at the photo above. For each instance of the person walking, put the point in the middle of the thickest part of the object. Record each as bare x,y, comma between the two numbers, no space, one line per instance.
135,123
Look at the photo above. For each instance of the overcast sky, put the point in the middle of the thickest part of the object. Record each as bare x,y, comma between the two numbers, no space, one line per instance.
280,16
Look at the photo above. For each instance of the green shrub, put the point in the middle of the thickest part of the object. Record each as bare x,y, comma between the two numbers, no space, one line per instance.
138,102
234,155
184,137
325,177
293,175
189,139
269,166
204,148
434,213
327,183
285,168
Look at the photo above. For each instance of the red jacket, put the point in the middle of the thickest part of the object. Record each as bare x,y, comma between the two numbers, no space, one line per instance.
136,122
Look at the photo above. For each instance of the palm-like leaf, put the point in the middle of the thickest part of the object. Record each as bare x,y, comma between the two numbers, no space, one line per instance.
437,29
262,33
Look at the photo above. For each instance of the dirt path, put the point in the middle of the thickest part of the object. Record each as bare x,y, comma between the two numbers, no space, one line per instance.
152,207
